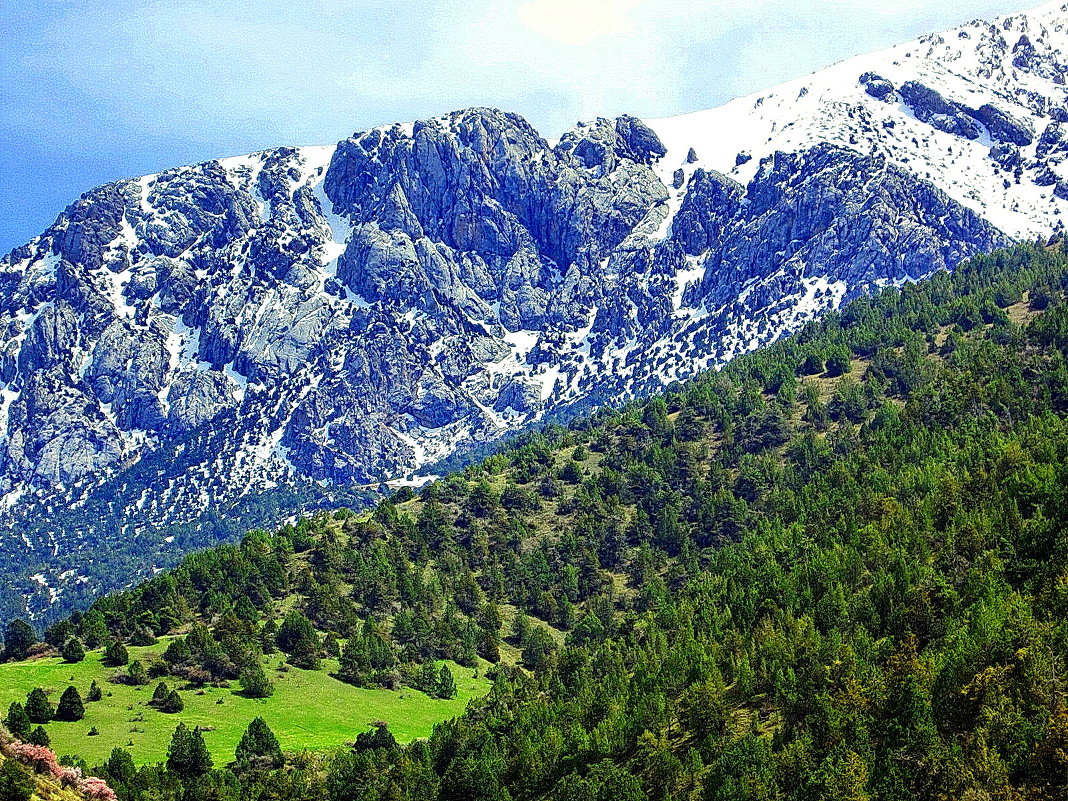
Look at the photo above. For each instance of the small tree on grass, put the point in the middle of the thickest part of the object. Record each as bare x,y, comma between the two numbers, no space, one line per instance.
18,637
187,755
159,695
15,783
254,682
136,674
446,684
94,692
39,737
259,748
17,721
172,703
73,650
116,654
38,708
70,705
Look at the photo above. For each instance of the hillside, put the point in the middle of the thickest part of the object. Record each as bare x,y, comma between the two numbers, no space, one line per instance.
832,570
216,347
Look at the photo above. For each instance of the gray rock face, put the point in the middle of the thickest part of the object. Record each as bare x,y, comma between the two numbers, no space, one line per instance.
930,107
240,339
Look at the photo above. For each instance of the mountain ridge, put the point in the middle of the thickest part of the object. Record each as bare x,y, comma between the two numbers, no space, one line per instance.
189,353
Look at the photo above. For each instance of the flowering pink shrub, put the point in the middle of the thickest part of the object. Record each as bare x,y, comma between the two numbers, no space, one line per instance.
95,788
68,776
41,759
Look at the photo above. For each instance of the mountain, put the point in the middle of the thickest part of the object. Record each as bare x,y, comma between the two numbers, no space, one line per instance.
833,570
191,353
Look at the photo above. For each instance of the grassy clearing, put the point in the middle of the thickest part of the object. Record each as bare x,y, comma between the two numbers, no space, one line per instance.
309,709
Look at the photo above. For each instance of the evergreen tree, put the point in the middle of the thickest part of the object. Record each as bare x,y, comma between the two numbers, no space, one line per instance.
16,784
94,693
446,684
70,706
38,709
187,755
159,695
171,703
136,674
18,637
73,650
296,636
17,721
39,737
254,682
259,747
115,654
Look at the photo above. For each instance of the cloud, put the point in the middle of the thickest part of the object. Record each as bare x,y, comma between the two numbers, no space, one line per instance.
578,22
103,89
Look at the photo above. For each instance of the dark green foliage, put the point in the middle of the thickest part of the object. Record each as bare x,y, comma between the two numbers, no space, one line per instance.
259,748
16,784
171,703
115,654
136,674
70,707
38,707
18,637
17,721
94,693
39,737
254,682
187,756
445,687
160,694
379,737
297,638
845,586
73,650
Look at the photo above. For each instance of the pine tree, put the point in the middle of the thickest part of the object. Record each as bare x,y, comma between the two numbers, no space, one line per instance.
254,682
18,637
446,684
95,693
70,707
136,674
73,650
116,654
39,737
427,679
17,721
187,755
259,747
38,708
171,703
16,784
159,695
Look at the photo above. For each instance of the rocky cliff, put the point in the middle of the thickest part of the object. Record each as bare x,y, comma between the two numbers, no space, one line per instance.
186,353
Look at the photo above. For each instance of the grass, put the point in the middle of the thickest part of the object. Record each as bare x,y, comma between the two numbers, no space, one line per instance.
309,709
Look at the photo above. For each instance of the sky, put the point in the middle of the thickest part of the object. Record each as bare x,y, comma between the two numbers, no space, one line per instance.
98,90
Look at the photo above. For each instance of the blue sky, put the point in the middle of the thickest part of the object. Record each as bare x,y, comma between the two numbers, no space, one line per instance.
96,90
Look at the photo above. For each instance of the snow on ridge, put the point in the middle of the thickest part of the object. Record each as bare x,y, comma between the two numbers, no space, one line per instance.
832,106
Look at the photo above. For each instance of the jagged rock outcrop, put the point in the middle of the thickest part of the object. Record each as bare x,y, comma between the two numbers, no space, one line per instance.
189,352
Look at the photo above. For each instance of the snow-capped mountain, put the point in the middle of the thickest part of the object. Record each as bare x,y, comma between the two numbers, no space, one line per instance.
188,353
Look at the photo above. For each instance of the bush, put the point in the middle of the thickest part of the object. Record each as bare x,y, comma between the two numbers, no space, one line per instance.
254,682
73,650
70,707
116,654
15,783
38,708
39,737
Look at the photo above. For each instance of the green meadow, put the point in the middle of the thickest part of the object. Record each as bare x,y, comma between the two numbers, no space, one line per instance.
309,709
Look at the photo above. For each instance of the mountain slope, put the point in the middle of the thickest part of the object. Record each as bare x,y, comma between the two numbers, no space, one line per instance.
832,570
193,352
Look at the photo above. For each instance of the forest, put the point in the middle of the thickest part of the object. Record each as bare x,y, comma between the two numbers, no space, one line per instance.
835,569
